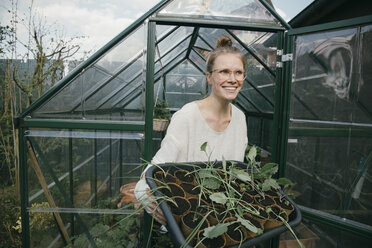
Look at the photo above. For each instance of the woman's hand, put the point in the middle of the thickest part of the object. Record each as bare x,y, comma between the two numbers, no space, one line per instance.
152,207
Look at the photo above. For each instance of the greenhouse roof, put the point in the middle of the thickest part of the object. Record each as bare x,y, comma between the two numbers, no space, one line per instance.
110,85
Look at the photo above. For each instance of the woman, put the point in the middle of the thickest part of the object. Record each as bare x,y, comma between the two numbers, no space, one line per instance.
213,120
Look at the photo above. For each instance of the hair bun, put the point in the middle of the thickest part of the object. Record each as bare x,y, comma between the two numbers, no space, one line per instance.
224,41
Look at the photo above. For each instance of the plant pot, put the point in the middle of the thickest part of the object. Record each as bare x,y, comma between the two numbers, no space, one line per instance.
246,199
203,242
265,202
163,177
257,222
200,207
179,208
160,125
183,176
219,214
222,213
284,204
189,223
190,189
273,193
173,190
273,220
236,233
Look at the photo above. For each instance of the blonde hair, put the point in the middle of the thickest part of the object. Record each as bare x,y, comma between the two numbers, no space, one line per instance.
224,46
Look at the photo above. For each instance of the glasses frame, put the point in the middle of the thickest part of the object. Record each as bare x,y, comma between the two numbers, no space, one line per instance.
229,72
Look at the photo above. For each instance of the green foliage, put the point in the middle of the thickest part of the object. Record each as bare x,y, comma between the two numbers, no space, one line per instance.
112,230
216,230
10,236
219,197
161,110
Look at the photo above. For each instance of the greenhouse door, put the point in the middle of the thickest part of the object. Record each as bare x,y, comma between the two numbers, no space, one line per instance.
328,149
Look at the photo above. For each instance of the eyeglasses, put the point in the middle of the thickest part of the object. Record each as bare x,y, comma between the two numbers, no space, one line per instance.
224,74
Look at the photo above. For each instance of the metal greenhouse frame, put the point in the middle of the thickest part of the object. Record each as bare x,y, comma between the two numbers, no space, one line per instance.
86,136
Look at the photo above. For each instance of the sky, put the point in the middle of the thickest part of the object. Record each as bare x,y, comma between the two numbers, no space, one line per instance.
98,21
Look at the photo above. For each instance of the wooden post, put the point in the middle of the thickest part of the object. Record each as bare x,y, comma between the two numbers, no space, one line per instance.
47,193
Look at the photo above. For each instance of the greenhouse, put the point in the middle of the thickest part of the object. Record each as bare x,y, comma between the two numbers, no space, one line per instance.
305,98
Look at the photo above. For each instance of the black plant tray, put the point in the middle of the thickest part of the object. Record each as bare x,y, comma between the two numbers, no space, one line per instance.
176,233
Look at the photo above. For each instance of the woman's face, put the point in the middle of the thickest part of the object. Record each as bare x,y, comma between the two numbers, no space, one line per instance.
227,76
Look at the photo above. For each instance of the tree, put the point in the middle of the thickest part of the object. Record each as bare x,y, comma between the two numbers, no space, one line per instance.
48,50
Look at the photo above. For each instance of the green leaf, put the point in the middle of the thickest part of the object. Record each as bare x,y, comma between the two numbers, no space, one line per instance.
270,183
269,169
212,183
247,224
218,197
223,164
241,175
284,182
252,153
205,174
203,147
215,231
99,229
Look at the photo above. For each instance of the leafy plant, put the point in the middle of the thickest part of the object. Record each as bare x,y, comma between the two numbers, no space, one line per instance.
224,185
161,110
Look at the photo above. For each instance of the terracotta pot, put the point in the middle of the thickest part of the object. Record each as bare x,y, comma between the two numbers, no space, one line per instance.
236,233
265,202
203,242
273,220
184,176
262,215
179,208
200,207
191,190
284,204
160,177
219,214
247,199
272,193
173,190
257,222
190,221
249,190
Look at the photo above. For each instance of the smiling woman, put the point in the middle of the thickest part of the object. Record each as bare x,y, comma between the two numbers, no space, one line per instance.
212,120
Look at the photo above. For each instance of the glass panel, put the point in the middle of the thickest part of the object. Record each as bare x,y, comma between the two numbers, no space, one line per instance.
165,60
162,30
262,44
363,101
198,60
184,84
201,44
104,223
329,150
324,86
168,66
260,132
256,98
246,104
251,11
124,96
94,159
173,39
125,51
67,99
331,174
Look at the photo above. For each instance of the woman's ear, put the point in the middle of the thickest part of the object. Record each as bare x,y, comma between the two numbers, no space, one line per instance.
208,76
